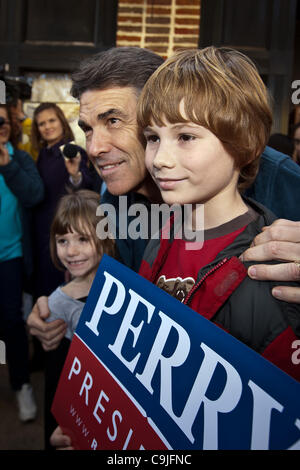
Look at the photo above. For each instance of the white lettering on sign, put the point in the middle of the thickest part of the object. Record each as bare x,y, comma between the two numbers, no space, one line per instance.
131,329
166,363
225,403
100,406
263,404
127,326
116,414
86,386
101,304
75,369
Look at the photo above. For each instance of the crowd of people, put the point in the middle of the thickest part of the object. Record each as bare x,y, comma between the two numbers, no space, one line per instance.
179,131
30,191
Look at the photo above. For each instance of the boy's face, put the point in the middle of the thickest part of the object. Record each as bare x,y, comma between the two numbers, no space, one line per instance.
189,164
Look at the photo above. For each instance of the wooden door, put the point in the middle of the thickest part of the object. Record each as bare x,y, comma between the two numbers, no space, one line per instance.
264,30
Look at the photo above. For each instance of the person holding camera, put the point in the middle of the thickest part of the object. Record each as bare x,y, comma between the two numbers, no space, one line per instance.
60,171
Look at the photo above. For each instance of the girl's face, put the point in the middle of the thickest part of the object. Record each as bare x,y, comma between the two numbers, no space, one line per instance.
49,126
77,253
5,129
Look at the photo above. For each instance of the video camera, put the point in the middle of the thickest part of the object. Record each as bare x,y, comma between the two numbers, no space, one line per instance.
70,150
16,87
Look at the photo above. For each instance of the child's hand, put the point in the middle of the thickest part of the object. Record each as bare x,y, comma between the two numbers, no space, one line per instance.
50,334
60,441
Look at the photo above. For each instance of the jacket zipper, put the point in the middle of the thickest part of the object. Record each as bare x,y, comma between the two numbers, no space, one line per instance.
200,282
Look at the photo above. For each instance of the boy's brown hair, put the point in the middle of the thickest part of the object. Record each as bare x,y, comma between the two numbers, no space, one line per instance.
223,92
77,211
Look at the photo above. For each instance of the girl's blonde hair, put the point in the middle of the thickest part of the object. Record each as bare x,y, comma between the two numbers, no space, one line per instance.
77,212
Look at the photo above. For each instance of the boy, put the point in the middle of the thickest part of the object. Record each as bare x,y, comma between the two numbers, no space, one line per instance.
206,120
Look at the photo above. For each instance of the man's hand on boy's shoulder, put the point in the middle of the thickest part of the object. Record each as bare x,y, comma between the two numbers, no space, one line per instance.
50,334
279,241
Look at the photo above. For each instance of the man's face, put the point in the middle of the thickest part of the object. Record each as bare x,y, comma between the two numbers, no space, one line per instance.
108,119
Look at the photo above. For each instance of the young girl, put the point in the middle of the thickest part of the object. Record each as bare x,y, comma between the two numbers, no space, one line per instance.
73,246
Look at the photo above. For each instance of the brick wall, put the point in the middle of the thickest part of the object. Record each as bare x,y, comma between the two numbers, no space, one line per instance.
160,25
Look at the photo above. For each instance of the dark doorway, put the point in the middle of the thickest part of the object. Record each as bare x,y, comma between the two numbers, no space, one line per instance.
54,35
265,31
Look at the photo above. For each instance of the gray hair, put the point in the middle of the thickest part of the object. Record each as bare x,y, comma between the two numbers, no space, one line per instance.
118,66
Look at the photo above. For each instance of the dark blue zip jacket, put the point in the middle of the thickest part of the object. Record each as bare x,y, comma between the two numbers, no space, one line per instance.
23,179
277,185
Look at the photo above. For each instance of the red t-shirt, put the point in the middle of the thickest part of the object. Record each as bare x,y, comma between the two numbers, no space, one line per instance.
180,270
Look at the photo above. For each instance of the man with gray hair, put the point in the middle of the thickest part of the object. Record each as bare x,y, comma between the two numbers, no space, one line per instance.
108,86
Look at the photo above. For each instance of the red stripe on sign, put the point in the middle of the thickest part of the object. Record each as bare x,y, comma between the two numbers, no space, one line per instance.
95,411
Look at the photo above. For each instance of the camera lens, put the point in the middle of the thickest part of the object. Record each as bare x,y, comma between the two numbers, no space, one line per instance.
70,150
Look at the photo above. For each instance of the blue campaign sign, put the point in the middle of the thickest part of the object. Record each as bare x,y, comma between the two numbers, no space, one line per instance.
198,386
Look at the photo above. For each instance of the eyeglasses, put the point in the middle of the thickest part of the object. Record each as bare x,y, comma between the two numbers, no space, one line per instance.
296,141
4,121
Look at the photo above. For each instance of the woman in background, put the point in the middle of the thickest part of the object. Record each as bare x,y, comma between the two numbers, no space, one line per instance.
20,189
51,131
